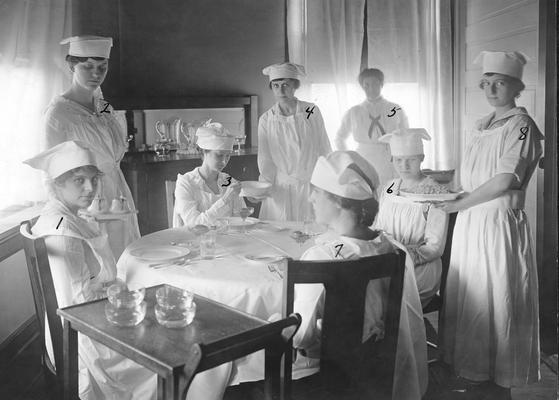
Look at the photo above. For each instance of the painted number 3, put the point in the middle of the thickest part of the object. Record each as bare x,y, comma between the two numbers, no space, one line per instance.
228,182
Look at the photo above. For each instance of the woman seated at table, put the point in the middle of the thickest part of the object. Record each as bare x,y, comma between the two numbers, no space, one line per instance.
344,199
420,227
82,266
205,194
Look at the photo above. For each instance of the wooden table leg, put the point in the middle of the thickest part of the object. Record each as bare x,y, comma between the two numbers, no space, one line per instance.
70,365
176,386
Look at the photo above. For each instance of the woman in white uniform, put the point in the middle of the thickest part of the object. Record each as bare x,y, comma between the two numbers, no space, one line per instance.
344,199
490,318
369,121
206,194
421,227
291,137
81,114
82,267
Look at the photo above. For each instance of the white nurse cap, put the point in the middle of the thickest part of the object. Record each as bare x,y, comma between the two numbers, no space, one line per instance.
510,63
346,174
406,142
89,46
62,158
213,136
284,70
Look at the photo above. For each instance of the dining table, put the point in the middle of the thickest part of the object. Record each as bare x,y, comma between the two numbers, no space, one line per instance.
247,274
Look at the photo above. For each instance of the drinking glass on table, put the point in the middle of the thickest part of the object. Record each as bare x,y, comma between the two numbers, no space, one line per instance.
244,214
198,231
175,307
239,140
207,243
125,307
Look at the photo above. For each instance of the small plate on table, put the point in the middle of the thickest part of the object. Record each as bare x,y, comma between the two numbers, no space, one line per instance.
426,198
263,258
108,216
237,222
160,253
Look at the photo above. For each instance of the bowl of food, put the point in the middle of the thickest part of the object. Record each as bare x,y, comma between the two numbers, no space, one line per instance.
255,189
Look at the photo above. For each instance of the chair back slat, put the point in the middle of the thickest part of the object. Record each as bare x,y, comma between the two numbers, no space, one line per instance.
345,284
170,200
44,294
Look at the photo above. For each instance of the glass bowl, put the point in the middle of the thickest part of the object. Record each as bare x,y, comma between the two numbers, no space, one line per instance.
175,307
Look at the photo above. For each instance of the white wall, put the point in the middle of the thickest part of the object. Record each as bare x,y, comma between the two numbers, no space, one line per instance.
16,298
497,25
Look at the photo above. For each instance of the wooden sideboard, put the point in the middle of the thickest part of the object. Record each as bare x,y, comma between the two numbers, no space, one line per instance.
146,175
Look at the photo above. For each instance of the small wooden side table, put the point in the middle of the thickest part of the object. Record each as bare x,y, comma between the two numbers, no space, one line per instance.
218,334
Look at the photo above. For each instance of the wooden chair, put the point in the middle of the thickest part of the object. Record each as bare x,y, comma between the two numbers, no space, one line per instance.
436,303
344,358
170,200
44,297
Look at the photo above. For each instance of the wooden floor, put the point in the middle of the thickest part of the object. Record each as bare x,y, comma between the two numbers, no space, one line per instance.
23,379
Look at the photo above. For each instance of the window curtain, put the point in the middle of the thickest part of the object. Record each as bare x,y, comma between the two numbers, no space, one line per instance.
409,40
326,36
32,72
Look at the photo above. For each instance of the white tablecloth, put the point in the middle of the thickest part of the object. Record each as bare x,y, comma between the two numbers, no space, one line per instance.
250,287
230,278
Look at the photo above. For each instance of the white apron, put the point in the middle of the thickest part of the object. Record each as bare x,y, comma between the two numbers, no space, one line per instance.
490,319
288,149
421,228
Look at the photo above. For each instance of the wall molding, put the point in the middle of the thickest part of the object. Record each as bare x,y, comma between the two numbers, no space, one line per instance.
505,10
17,341
505,35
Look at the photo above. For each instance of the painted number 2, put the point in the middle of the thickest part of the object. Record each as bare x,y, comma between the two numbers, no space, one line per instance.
228,182
339,247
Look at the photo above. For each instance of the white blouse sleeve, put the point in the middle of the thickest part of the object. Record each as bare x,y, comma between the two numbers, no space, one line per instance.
69,270
55,130
325,147
266,164
522,148
434,238
190,208
343,132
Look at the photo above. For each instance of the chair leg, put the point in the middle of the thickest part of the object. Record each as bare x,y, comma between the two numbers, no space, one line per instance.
274,382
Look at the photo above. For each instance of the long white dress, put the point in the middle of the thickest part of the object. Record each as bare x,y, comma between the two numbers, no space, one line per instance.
82,264
367,122
196,203
288,147
410,377
490,317
420,227
104,132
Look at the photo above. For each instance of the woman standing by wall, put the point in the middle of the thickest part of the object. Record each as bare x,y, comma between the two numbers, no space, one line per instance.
81,114
490,332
